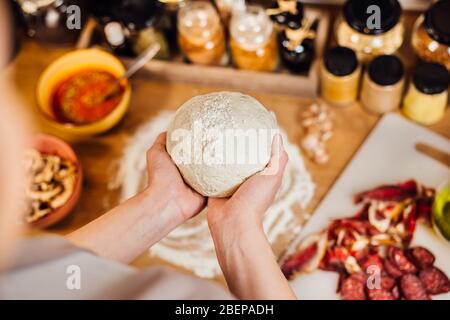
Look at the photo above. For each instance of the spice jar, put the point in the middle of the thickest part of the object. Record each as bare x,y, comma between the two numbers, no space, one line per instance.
252,40
427,96
431,34
360,29
200,34
383,84
339,76
129,27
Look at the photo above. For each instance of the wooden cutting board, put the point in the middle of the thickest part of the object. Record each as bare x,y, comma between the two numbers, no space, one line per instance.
387,156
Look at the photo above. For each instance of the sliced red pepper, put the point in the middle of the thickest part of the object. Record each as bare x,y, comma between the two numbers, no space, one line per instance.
295,262
410,224
334,259
399,192
424,206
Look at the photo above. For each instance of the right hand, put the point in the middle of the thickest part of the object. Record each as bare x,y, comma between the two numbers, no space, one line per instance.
248,205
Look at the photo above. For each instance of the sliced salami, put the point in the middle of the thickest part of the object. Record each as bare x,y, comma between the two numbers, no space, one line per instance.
392,270
353,288
434,280
387,283
400,259
421,257
396,292
412,288
371,260
380,294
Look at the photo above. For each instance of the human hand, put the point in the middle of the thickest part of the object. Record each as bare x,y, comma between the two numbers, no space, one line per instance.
248,205
165,179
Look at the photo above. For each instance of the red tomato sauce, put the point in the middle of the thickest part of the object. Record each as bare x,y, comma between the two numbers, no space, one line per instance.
78,98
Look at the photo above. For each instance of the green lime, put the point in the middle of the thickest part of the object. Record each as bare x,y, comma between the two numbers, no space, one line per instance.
441,212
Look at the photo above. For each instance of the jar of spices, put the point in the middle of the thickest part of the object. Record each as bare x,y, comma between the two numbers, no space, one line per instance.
431,34
129,27
252,40
339,76
383,84
427,96
368,30
297,45
200,34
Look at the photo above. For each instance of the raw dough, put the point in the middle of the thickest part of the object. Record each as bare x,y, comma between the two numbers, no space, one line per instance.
198,140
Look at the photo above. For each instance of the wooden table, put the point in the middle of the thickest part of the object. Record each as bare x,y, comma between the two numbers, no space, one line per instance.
149,97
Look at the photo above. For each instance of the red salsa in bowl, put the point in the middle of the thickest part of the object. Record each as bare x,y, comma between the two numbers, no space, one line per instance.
80,98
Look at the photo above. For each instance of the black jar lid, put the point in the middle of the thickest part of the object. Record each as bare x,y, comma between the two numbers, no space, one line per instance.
340,61
431,78
437,21
386,70
355,13
134,14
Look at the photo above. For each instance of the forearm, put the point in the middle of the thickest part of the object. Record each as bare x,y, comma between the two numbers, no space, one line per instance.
126,231
249,265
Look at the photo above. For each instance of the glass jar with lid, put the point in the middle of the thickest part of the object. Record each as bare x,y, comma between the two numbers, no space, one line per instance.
339,76
296,36
427,96
383,84
129,27
431,34
370,27
200,33
252,40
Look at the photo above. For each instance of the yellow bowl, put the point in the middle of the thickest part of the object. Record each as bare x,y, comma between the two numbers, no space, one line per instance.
68,65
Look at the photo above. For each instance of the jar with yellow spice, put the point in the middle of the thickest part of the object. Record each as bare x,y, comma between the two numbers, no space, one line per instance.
339,76
252,40
431,34
200,34
427,96
370,27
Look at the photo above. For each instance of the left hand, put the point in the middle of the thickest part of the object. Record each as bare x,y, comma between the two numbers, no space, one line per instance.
165,179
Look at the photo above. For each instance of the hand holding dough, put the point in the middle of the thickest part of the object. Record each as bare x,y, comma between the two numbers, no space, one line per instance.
218,140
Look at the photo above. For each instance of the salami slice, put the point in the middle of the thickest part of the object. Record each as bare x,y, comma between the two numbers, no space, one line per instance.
396,292
412,288
399,258
380,294
353,288
434,280
371,261
392,270
421,257
387,283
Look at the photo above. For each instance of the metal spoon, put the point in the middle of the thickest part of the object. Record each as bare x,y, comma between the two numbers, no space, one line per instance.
140,61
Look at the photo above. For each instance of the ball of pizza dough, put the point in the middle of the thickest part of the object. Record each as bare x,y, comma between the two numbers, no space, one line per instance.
219,140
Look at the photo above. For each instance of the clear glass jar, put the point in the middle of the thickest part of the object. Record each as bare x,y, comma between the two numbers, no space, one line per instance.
427,96
339,76
227,7
383,84
200,34
353,31
431,34
252,40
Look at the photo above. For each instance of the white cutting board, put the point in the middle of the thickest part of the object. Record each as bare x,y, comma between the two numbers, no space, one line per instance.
387,156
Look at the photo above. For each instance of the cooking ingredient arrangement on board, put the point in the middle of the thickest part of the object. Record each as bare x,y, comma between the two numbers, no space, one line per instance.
372,250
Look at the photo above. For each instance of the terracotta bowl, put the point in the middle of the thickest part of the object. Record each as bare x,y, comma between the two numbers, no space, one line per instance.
52,145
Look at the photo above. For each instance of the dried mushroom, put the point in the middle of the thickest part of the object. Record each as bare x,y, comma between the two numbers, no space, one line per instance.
51,183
